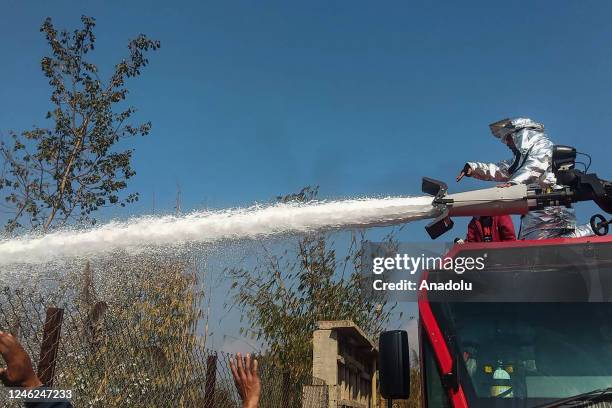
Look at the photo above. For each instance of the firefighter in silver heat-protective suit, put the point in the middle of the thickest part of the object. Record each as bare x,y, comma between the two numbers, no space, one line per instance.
531,165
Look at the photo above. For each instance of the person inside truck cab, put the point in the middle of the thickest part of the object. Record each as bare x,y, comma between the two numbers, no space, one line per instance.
491,229
531,165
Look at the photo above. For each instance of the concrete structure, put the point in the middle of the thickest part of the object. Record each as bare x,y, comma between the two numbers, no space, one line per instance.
344,363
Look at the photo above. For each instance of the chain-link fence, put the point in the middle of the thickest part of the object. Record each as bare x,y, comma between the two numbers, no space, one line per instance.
131,357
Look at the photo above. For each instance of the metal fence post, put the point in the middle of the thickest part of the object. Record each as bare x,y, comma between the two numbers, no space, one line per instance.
50,345
211,378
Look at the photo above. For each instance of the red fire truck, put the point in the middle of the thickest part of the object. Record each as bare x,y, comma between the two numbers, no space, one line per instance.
536,330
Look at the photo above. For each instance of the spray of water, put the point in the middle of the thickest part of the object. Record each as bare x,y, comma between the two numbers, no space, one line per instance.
214,226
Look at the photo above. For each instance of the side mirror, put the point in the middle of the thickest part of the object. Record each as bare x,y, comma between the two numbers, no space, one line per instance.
394,364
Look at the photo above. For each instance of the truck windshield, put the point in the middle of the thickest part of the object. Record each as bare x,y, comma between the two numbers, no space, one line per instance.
525,354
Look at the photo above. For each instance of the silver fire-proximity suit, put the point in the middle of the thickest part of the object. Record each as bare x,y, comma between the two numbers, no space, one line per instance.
531,165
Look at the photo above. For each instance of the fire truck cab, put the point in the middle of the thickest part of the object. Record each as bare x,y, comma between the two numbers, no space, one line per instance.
536,330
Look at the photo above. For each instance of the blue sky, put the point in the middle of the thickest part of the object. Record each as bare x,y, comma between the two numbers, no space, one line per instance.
253,99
